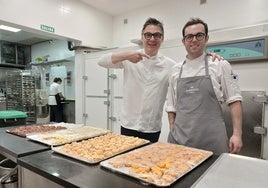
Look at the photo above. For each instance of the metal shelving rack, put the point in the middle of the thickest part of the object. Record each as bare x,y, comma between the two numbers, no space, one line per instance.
20,93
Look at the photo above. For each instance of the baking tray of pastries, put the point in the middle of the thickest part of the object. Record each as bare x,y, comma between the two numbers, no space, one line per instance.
69,135
160,164
99,148
25,130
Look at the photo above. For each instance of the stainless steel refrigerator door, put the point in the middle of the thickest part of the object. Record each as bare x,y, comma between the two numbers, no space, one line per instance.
253,113
97,93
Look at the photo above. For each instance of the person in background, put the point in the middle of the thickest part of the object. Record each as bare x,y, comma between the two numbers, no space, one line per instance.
146,74
54,101
196,88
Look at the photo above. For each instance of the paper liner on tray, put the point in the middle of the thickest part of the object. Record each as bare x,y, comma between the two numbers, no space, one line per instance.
61,137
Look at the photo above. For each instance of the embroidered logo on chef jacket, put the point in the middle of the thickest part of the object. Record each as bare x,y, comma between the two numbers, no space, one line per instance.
234,76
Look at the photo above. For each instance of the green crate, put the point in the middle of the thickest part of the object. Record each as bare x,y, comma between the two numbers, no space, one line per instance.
12,118
12,114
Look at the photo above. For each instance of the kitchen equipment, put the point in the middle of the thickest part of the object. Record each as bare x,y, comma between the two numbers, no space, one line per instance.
42,111
253,115
20,93
42,108
68,111
235,171
8,174
2,103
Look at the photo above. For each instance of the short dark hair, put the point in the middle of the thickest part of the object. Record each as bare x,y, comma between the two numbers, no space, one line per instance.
194,21
153,21
57,79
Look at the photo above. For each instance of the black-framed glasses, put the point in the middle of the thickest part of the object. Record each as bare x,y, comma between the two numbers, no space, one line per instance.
198,36
148,36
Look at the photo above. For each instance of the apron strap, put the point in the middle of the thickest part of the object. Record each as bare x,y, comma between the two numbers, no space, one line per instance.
206,64
181,69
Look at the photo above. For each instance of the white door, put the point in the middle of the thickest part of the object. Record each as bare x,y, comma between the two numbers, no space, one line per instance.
116,99
96,93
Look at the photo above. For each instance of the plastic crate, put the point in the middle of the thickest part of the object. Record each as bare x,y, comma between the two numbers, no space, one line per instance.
12,118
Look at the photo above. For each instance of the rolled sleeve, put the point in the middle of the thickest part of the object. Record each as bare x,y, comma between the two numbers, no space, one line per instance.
170,109
172,92
234,99
230,87
170,106
106,61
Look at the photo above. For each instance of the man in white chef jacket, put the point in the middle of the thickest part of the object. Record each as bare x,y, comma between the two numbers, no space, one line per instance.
196,88
146,75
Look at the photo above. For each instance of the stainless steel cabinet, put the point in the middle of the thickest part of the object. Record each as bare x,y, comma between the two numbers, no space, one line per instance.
68,111
14,55
253,114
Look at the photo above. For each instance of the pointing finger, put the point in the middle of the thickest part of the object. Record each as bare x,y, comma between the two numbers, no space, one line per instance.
144,55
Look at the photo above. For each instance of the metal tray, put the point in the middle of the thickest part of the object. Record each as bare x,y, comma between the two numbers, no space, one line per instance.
165,152
237,171
65,125
60,137
58,149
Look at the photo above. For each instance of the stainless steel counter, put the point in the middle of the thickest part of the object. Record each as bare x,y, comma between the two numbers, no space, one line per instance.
67,172
41,167
13,147
235,171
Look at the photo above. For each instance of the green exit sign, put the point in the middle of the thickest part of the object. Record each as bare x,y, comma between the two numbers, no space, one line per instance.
47,28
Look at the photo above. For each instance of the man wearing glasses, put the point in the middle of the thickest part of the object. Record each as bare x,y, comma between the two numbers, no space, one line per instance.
146,75
196,89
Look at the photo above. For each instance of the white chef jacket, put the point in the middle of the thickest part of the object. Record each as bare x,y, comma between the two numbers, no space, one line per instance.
144,91
53,90
224,81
